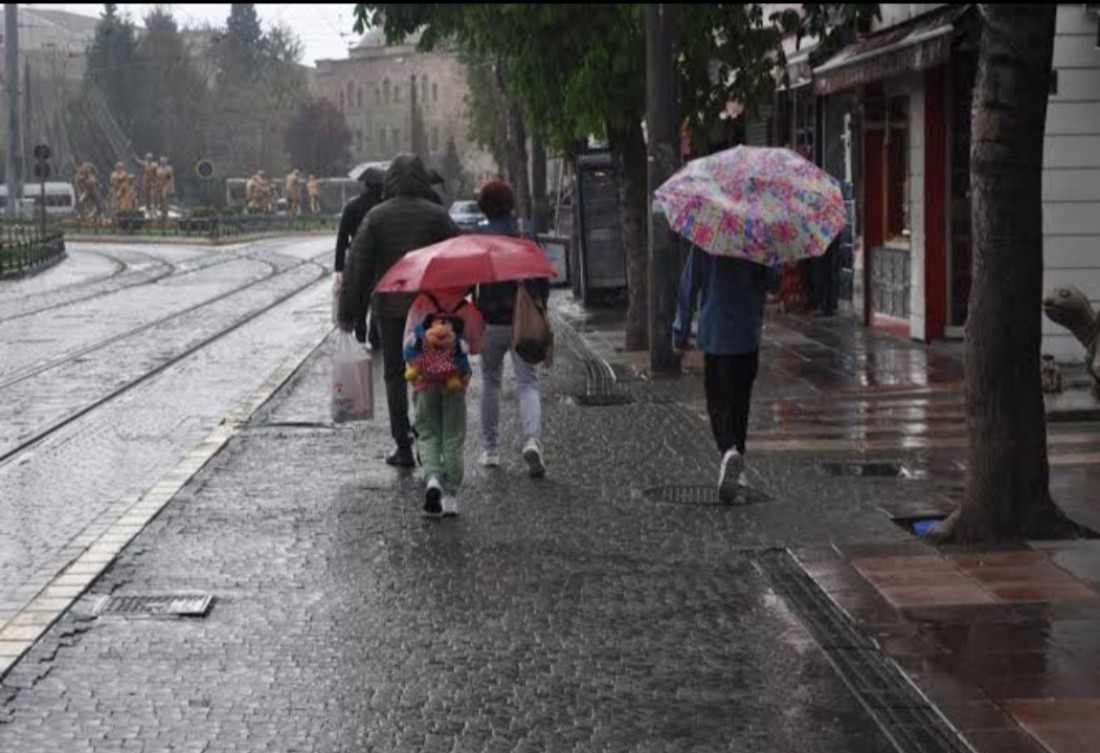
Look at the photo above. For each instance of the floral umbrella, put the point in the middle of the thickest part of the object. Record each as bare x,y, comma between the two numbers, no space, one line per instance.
766,205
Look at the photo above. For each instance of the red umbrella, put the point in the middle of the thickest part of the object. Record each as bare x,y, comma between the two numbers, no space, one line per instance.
465,261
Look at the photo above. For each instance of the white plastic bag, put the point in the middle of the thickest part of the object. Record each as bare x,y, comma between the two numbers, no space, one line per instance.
352,381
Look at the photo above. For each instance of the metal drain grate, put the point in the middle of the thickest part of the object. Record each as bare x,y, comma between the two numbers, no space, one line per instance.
168,605
699,495
904,715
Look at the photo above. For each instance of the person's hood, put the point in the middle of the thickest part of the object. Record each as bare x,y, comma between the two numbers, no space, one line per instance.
407,176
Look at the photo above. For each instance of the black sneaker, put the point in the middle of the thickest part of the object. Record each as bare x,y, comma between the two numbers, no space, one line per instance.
402,457
433,499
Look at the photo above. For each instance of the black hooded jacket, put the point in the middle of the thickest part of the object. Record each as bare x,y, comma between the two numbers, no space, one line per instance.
404,222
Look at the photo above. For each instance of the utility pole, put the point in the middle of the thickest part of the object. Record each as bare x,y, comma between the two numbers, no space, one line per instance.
663,149
15,120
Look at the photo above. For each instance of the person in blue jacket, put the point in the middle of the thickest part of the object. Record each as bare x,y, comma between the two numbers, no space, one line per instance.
731,294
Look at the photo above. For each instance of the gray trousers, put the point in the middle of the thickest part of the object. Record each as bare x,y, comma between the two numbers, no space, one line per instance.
497,344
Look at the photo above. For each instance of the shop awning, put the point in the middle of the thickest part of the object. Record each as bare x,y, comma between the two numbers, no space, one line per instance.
923,42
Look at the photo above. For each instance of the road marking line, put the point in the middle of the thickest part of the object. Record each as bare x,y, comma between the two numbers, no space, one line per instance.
32,621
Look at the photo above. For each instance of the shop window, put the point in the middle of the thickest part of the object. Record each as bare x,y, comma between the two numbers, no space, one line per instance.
897,170
435,92
435,138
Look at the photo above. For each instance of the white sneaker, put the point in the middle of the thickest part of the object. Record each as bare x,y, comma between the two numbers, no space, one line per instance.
450,506
733,466
490,458
433,496
533,455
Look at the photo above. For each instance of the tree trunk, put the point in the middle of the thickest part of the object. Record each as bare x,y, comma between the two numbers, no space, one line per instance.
540,207
629,156
517,143
1007,494
517,146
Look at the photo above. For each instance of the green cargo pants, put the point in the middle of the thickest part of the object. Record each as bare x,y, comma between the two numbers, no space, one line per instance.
441,426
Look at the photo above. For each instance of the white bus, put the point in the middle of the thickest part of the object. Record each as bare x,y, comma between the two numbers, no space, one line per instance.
60,198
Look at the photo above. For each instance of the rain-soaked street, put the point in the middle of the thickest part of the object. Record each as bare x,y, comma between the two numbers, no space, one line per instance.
613,606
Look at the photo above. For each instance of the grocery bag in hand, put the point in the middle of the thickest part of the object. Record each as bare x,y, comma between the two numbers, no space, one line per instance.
352,381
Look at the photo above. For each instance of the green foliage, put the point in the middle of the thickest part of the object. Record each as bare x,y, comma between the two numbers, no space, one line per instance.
486,108
112,57
580,69
260,89
170,112
318,139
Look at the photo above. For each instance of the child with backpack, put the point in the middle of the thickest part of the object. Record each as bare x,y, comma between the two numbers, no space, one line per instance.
442,330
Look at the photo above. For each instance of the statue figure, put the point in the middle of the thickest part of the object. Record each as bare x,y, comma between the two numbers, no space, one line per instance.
292,190
165,187
313,189
122,190
86,187
147,187
1070,308
260,193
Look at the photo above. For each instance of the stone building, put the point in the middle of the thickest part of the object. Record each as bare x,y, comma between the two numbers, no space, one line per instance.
397,99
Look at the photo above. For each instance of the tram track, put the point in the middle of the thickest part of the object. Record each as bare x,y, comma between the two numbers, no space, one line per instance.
53,427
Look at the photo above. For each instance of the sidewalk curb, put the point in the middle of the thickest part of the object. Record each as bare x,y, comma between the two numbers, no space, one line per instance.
63,587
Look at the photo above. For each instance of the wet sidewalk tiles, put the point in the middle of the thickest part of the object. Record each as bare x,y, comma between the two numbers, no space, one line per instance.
1006,644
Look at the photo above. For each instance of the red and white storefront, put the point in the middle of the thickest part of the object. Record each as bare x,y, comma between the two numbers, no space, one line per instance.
907,91
896,104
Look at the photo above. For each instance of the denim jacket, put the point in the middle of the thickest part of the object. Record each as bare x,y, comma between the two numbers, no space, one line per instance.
731,294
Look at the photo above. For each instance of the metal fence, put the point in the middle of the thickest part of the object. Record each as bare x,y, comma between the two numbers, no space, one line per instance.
26,247
212,228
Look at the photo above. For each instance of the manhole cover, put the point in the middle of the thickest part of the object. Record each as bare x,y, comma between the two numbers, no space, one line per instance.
168,605
867,470
604,399
700,496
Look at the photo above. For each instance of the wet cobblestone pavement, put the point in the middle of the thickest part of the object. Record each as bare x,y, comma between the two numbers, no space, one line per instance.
580,613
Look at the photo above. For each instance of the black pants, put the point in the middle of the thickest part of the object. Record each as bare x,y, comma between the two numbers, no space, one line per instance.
361,332
392,331
728,380
824,286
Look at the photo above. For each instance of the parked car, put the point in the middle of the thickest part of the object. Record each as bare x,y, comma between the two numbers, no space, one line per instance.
467,215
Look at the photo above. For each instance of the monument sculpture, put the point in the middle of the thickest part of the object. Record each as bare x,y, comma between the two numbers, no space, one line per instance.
147,185
260,193
89,201
313,190
1069,307
165,187
292,190
123,198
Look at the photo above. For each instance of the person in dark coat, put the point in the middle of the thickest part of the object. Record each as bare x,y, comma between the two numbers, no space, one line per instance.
731,319
404,222
350,219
